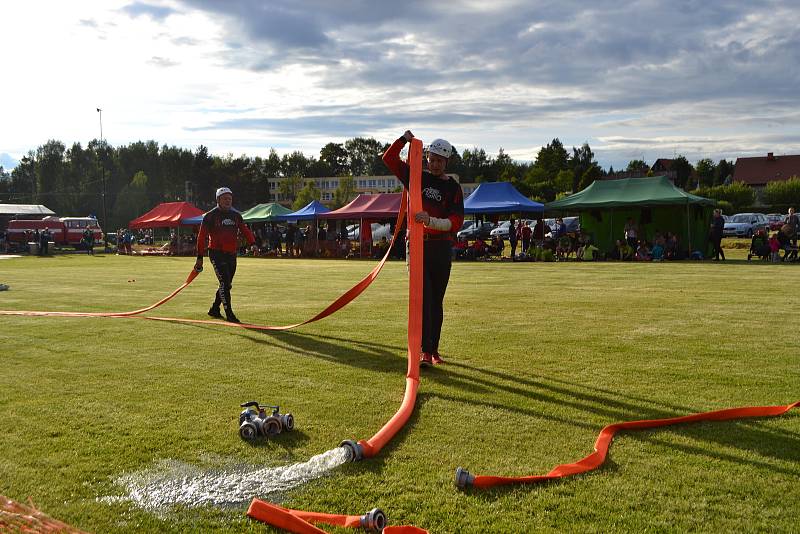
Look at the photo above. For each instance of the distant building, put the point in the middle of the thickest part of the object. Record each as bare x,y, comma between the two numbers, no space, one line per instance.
757,172
363,184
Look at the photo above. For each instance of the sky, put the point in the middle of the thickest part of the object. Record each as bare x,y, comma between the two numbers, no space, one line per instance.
635,79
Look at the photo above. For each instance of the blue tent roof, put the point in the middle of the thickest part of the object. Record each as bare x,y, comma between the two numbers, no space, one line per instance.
310,211
197,219
500,197
193,220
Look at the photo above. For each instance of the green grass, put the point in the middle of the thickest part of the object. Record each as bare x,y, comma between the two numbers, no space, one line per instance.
540,358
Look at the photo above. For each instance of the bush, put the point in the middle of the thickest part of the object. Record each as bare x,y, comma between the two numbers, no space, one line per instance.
726,207
783,193
738,194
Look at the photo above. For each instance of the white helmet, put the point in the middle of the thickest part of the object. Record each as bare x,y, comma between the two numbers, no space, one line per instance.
222,190
441,148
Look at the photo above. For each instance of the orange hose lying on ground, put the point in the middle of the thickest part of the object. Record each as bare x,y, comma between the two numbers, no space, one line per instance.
335,306
596,459
301,522
189,279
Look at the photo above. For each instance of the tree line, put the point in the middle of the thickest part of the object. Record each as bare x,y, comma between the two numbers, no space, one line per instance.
137,176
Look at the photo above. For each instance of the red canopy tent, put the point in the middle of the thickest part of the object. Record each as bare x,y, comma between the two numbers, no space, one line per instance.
166,215
367,208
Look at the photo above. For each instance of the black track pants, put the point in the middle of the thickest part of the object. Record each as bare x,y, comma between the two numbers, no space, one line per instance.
436,274
716,242
224,267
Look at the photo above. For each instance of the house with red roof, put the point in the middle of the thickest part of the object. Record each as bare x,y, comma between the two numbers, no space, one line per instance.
759,171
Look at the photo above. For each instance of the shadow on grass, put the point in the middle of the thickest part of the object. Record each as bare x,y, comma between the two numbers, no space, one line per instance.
361,354
601,402
748,436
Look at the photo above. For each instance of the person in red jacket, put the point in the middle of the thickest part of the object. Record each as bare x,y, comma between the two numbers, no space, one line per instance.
219,234
442,216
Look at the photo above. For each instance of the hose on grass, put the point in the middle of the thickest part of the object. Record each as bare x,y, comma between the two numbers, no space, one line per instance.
347,297
300,522
465,480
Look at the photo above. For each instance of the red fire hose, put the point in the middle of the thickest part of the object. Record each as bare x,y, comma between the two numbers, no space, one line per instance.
464,479
300,522
336,305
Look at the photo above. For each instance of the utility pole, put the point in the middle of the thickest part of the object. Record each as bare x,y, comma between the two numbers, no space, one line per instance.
103,174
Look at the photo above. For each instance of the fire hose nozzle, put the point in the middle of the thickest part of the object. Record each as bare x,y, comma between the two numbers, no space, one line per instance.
356,452
464,479
375,520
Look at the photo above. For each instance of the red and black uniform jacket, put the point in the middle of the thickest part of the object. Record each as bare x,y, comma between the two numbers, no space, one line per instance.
442,199
222,229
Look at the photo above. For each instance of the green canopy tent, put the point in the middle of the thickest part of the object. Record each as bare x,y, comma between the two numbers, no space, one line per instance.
655,203
265,213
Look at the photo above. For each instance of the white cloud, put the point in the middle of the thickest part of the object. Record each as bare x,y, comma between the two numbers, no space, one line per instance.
704,79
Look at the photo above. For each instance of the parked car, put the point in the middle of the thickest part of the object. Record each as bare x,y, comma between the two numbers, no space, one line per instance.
745,225
378,231
776,220
501,229
473,231
572,224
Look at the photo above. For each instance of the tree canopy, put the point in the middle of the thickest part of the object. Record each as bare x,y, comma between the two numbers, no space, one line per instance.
135,177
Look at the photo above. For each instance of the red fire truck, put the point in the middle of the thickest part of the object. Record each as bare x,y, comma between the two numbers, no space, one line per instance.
65,230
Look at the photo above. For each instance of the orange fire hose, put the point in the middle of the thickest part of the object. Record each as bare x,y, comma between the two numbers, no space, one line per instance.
464,479
189,279
372,446
336,305
299,522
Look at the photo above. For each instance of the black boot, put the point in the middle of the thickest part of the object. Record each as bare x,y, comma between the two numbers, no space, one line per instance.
230,317
214,312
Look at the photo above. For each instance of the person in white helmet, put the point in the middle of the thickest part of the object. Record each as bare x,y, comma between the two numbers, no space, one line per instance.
219,234
442,216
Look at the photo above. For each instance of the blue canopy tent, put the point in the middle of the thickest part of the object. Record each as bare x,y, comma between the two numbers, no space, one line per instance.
500,197
191,221
310,211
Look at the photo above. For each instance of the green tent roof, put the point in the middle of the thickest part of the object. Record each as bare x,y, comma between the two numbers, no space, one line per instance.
650,191
264,212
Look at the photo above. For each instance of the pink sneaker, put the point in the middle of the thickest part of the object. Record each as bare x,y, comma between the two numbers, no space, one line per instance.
436,358
425,360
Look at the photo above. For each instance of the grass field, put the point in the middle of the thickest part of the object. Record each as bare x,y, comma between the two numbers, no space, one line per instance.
539,358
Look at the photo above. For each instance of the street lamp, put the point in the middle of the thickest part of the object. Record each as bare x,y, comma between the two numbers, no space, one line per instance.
103,174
